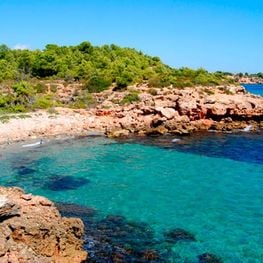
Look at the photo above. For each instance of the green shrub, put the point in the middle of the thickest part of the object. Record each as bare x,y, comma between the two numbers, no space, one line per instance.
4,118
123,80
53,88
209,91
41,88
97,84
83,101
43,102
130,98
18,108
4,101
52,110
155,82
153,91
23,89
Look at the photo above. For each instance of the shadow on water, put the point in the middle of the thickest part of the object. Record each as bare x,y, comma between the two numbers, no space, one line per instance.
116,239
236,146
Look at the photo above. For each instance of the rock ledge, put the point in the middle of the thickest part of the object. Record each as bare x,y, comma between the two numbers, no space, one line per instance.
32,230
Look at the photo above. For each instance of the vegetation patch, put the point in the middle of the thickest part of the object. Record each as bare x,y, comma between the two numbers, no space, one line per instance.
131,97
208,91
5,118
26,74
83,101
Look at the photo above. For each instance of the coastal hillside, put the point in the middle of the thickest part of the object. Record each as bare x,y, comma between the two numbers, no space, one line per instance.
25,73
99,67
116,91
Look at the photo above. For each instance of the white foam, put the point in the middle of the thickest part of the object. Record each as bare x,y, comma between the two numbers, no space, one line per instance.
33,144
176,140
247,129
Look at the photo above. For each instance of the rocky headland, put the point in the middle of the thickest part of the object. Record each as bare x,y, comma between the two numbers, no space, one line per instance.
32,230
141,110
249,80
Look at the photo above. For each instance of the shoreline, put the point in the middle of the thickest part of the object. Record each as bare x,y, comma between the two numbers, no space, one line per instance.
21,145
166,111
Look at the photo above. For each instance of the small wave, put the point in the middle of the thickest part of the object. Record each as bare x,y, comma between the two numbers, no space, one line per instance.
248,128
33,144
212,131
176,140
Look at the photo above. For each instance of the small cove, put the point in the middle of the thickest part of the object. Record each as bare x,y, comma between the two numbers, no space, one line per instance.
209,185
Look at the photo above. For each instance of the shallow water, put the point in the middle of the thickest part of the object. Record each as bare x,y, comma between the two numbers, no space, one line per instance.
210,186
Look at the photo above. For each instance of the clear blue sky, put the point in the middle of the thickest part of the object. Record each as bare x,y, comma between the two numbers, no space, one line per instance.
214,34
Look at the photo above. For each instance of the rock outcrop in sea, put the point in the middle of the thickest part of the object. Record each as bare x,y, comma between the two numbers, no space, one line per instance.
32,230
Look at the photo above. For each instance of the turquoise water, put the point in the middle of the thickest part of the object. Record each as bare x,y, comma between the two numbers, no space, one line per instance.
208,185
254,88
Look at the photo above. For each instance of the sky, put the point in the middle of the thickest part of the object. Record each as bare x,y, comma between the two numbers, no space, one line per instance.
224,35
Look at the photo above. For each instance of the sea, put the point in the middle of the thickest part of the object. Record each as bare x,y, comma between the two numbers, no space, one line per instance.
254,88
156,199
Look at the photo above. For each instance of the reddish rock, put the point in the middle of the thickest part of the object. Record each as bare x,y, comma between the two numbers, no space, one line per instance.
36,232
167,113
118,133
178,110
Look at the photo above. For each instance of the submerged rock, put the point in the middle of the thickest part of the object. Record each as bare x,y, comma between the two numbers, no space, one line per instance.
209,258
23,170
75,210
62,183
115,239
32,230
179,234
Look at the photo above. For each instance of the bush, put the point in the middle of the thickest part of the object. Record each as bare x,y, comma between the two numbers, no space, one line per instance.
153,91
122,82
43,102
208,91
4,101
40,88
155,82
130,98
84,101
23,89
5,118
53,88
97,84
18,108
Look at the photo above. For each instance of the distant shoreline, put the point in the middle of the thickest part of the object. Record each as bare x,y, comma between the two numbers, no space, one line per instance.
251,83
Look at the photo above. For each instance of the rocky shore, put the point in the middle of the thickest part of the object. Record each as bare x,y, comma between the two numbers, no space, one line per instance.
32,230
250,80
141,110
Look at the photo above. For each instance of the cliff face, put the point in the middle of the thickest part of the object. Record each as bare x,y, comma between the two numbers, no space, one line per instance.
32,230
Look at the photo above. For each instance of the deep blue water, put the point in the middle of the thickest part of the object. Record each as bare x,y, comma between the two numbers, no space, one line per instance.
254,88
143,189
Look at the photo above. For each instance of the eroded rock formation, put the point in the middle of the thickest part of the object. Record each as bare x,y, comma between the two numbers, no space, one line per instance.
32,230
157,111
188,110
